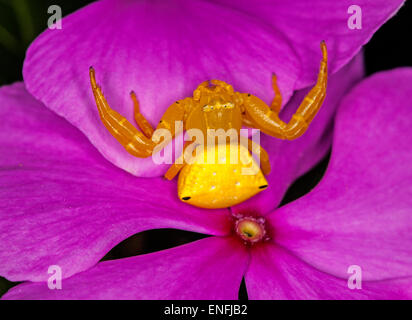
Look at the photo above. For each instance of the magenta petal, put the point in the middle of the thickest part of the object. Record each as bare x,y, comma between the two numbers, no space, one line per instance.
274,273
163,51
306,23
361,213
210,268
62,203
291,159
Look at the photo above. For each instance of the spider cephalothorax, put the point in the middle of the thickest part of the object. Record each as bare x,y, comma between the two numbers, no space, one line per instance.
215,106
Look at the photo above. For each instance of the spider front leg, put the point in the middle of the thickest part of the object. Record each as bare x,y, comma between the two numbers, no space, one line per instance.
135,142
274,106
268,120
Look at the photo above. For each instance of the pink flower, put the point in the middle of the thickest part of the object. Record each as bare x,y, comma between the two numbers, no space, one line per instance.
359,215
63,204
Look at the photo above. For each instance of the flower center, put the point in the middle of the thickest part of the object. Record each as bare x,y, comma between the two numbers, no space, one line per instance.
251,229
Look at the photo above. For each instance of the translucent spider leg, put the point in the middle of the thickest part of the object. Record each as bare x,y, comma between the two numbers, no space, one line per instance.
135,142
270,123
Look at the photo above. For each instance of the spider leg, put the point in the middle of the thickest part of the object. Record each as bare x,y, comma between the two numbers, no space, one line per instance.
178,165
268,120
257,149
173,170
141,121
138,144
248,122
277,100
135,142
275,105
175,113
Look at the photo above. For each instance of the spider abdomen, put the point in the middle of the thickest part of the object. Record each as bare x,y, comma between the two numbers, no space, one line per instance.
213,181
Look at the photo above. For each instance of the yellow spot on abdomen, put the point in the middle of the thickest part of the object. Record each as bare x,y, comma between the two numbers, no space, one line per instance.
212,181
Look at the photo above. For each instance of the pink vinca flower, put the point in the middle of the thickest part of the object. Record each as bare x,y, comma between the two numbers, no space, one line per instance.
64,204
358,216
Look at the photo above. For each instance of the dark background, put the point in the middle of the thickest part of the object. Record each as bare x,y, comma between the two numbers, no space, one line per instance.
22,20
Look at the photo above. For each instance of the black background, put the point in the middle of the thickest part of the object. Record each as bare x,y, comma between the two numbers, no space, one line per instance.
22,20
